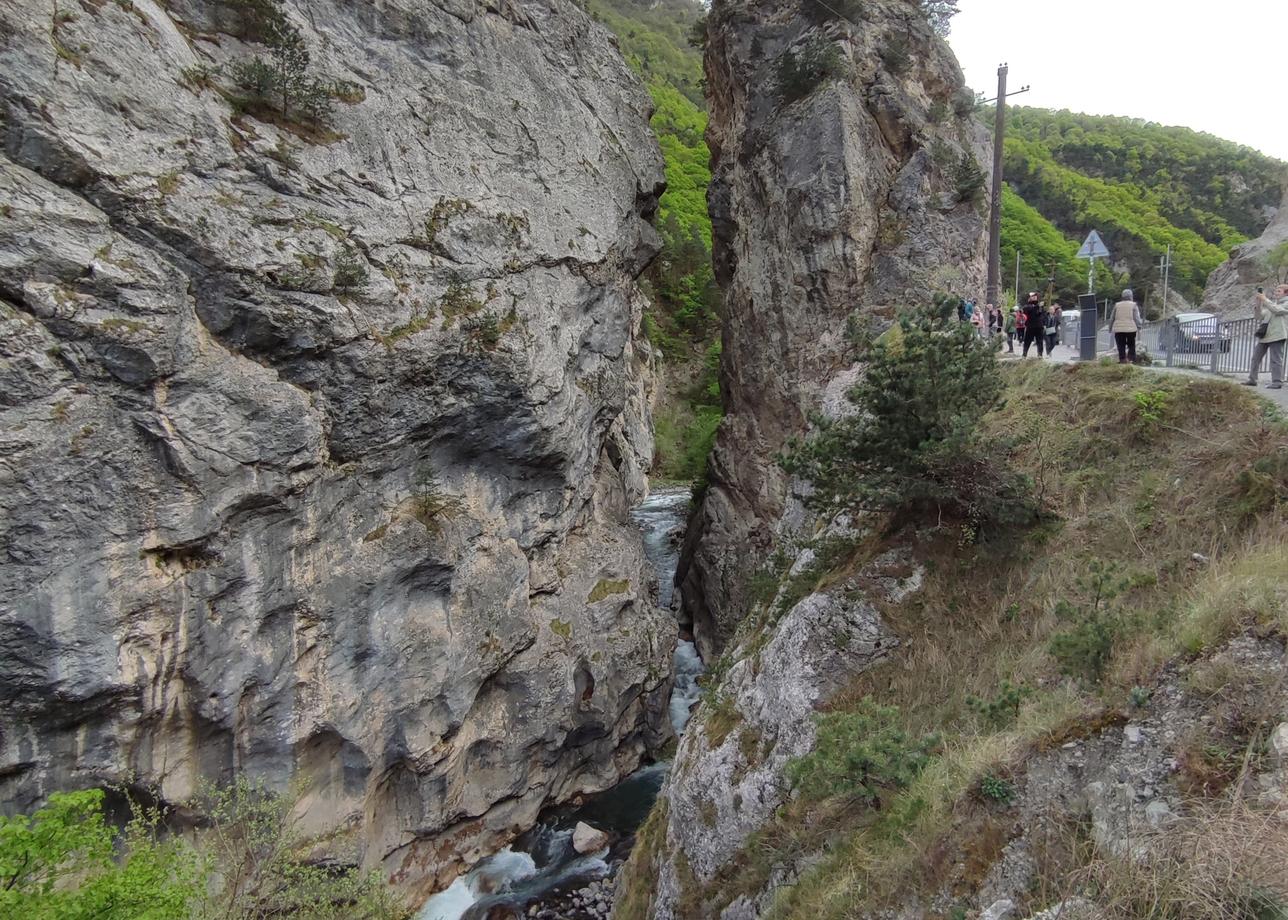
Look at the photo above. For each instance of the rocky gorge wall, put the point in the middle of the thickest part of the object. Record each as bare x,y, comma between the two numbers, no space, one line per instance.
318,445
843,202
839,204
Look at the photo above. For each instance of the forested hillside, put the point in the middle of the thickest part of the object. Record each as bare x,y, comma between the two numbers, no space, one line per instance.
684,325
1142,186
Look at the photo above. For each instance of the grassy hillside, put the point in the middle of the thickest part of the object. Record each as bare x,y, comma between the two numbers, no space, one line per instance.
1013,648
1143,186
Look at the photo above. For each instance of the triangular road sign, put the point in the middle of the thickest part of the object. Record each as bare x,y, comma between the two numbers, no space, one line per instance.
1094,247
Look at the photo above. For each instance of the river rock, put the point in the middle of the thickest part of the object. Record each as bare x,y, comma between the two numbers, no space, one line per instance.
587,839
319,443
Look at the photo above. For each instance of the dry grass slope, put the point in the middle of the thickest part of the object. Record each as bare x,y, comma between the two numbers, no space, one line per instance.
1176,485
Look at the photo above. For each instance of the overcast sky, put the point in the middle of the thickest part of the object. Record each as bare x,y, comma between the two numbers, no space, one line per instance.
1217,67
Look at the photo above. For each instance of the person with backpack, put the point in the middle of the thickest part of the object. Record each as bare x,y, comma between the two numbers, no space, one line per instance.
1010,331
1273,315
1033,327
1124,323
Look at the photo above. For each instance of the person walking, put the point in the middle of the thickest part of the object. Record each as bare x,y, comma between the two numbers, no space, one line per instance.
1059,322
1124,323
1273,314
1033,331
1051,325
977,320
1010,331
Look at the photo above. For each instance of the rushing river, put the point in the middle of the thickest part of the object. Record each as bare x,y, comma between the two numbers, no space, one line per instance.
541,868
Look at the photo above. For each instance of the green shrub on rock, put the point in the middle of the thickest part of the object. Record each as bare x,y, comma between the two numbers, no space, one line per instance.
799,74
914,445
861,753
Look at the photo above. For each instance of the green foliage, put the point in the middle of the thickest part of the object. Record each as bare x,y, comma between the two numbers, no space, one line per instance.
860,753
1276,262
1045,251
914,445
65,862
683,442
997,789
683,284
1143,186
1003,708
351,273
799,74
59,864
660,40
280,83
259,854
1212,186
939,14
968,178
1151,406
430,505
657,40
1083,649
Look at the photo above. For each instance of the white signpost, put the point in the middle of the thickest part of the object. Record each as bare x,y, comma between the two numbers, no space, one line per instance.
1093,248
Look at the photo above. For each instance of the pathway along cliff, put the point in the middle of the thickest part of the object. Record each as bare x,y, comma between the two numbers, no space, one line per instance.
541,874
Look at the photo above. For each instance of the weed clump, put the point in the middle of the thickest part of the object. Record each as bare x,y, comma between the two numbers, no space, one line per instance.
800,73
861,753
430,505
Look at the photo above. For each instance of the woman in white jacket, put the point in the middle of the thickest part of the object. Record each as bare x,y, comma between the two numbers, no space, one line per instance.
1274,313
1124,323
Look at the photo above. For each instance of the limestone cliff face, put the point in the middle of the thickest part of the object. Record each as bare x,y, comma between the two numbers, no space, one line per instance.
838,201
844,201
1233,284
318,445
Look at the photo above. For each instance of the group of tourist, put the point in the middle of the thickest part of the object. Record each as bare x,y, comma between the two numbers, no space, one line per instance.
1033,323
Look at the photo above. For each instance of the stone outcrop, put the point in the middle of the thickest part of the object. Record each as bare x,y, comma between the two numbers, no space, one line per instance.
845,201
1233,284
728,775
318,440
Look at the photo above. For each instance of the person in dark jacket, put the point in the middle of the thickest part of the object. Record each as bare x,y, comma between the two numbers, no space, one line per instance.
1033,325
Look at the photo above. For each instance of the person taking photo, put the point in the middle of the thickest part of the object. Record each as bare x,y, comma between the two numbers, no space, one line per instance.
1271,317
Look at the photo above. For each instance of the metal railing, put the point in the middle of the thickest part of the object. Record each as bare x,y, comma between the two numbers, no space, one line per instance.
1207,343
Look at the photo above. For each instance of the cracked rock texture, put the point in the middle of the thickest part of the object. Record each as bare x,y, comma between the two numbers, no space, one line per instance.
843,201
233,356
728,776
1233,284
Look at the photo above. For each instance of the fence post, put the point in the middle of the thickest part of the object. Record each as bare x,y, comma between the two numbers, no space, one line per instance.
1167,343
1216,350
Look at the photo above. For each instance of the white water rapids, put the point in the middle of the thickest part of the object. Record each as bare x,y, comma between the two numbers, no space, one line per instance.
550,863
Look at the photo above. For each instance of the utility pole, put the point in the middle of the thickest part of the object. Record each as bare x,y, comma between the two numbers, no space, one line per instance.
1017,277
995,203
1166,266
